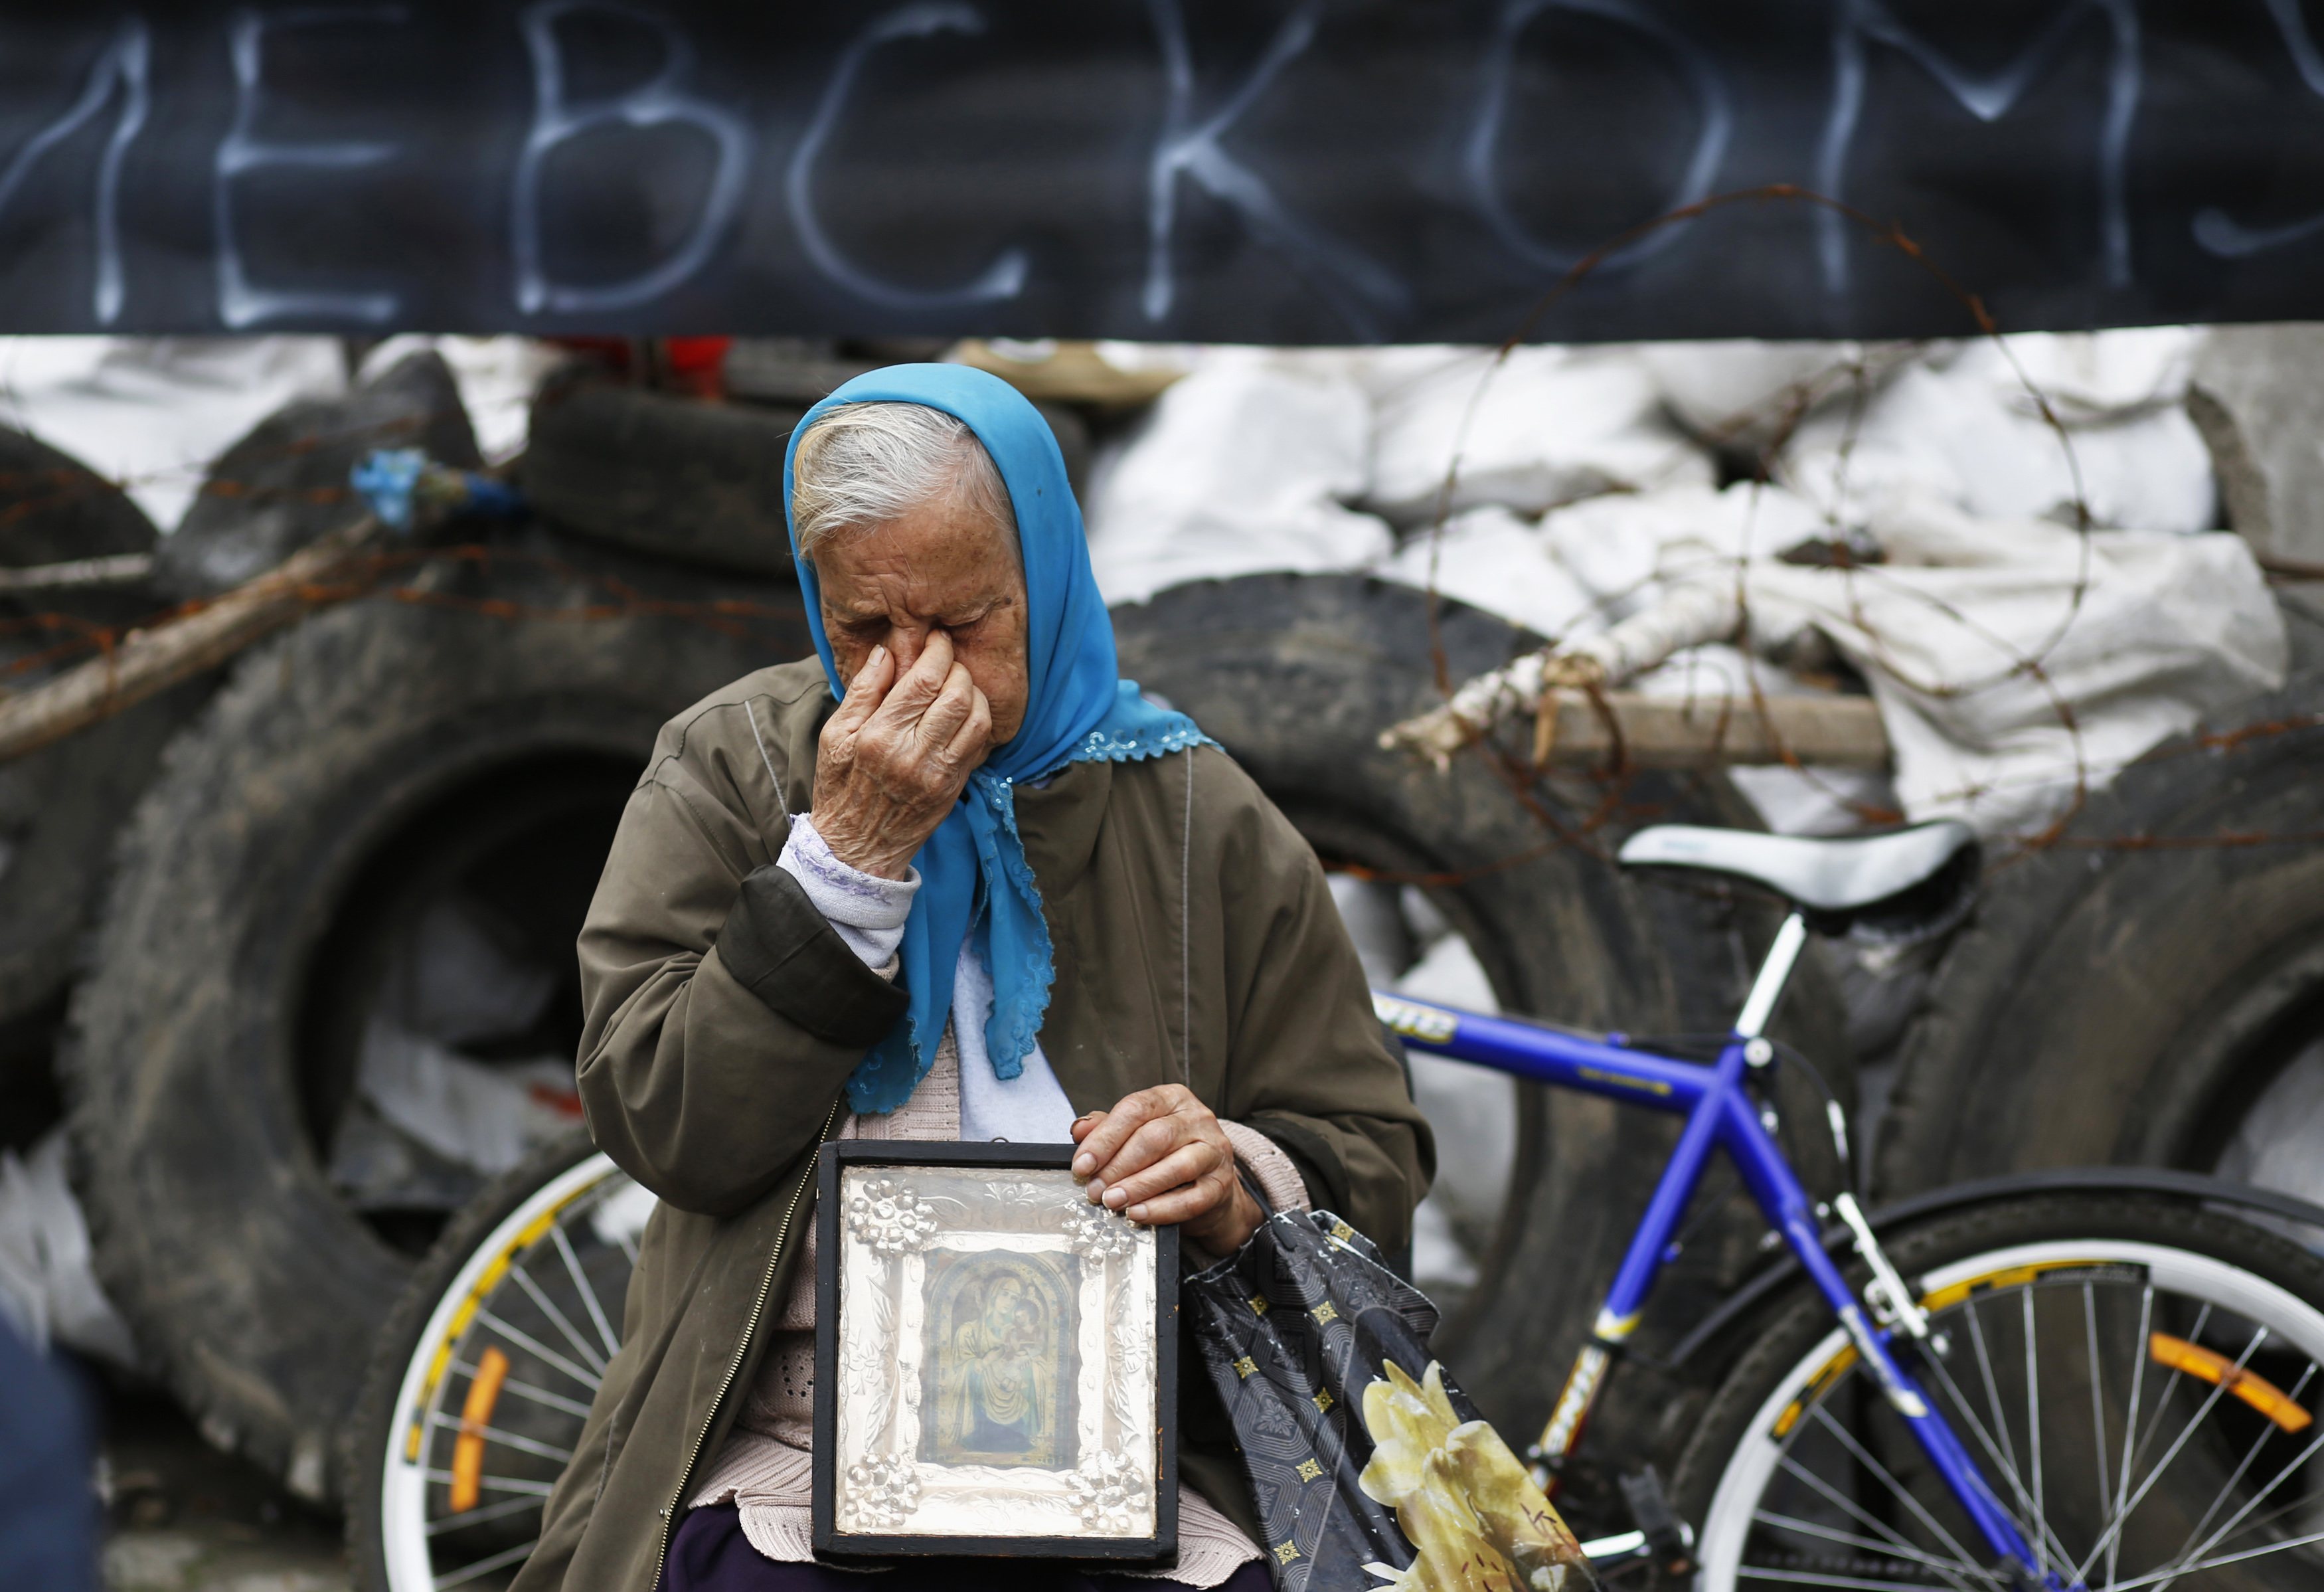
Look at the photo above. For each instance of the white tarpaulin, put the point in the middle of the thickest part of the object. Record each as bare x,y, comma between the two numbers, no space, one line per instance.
1545,427
1246,465
1584,510
152,413
1958,422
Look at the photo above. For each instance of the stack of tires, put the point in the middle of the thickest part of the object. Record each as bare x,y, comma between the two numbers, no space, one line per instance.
335,936
2149,989
329,989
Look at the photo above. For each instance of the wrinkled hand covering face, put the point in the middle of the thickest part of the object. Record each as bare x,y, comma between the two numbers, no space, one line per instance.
1470,1508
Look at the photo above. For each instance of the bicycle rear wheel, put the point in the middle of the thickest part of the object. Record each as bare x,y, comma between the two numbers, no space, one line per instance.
2139,1379
484,1374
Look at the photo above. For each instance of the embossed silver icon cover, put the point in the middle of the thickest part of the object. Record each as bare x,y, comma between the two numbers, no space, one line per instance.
994,1369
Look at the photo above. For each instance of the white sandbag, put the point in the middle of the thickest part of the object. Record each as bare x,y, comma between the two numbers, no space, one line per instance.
2013,662
1959,423
152,413
1245,465
1491,559
1550,426
1626,551
1739,390
2138,634
47,1274
483,1115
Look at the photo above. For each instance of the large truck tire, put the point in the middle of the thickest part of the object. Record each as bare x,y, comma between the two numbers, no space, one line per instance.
687,478
1297,675
60,805
2133,994
285,482
382,765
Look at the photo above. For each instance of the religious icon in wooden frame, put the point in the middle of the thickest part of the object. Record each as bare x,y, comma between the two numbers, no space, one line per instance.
996,1359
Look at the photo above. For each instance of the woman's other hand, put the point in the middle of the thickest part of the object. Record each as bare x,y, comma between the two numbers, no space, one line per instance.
1160,1157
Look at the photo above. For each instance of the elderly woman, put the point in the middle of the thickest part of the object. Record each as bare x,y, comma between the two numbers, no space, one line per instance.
951,878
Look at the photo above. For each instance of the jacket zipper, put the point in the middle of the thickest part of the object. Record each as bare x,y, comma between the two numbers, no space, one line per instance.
734,1366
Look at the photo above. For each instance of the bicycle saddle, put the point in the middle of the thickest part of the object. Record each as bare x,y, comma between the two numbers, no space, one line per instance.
1906,878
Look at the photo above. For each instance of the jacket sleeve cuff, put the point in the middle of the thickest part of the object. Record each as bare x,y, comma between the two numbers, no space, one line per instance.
1277,1175
1320,1170
781,949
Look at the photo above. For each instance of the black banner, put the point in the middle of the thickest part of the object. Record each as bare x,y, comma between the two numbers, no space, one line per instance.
1274,171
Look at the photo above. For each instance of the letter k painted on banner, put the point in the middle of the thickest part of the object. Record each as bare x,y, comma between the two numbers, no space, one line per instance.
1357,287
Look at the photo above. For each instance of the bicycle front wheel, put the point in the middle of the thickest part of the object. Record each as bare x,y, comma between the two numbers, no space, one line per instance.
483,1374
2137,1377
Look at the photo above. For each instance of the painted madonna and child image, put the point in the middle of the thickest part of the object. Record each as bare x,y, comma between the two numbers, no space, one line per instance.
1002,1377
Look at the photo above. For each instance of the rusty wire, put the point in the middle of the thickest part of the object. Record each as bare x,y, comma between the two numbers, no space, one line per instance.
1609,801
1615,773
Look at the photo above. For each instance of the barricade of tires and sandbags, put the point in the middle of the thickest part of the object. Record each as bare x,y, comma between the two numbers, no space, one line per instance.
311,905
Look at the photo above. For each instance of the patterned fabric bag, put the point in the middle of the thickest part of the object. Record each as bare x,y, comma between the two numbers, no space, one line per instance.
1368,1465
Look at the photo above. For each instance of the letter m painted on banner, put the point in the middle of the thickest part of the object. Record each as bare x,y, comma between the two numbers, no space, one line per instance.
1987,95
123,61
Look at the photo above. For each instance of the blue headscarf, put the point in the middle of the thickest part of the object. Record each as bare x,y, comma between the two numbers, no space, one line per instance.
974,876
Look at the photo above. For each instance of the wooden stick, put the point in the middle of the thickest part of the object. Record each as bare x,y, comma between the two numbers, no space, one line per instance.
78,574
1710,732
149,661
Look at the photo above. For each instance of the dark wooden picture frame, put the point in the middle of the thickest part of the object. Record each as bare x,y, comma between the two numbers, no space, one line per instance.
1158,1549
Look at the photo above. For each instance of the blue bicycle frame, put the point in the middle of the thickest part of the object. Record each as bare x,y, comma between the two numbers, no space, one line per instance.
1719,1116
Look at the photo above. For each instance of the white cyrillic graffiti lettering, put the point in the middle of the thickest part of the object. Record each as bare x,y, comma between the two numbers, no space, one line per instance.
127,59
1482,159
1354,286
2221,233
1987,96
658,102
242,302
1003,279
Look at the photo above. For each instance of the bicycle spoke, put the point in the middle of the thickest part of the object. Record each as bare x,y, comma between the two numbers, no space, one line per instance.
494,1434
1904,1495
2230,1527
2033,1428
2006,1457
481,1513
2154,1425
2188,1547
2130,1420
541,1395
497,1484
1833,1495
1798,1577
524,1339
2163,1576
1993,1400
2098,1402
485,1566
588,1294
2023,1515
525,1390
1833,1533
557,1319
2114,1527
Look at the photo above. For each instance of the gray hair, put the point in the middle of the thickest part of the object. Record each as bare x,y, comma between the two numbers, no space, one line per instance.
865,463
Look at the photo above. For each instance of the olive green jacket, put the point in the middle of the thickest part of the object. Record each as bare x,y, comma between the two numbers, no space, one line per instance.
1196,942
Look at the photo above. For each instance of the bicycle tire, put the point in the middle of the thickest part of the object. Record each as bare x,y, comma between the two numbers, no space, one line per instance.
402,1450
2225,1286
